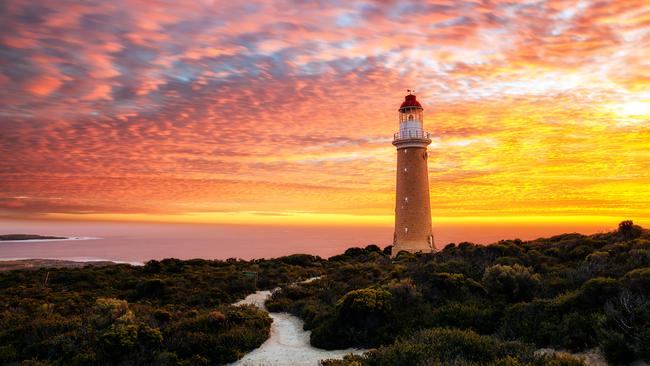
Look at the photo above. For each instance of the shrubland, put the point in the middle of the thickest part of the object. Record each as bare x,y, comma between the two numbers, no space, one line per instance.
466,304
168,312
572,292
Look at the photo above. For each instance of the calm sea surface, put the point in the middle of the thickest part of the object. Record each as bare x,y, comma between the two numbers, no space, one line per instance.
139,242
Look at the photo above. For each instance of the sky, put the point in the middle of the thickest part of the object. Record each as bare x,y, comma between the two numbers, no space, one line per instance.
283,111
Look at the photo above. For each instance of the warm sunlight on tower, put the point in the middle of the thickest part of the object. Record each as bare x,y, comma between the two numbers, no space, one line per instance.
413,231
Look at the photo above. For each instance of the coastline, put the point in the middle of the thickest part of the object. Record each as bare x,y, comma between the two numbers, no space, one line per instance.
36,262
10,264
44,240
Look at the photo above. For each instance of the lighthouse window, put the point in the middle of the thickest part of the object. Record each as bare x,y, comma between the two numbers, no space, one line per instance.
410,117
406,230
406,170
406,199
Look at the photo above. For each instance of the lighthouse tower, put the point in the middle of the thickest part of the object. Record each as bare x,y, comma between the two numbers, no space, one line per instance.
413,231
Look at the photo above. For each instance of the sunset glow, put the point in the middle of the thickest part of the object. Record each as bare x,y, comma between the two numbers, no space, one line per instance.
282,112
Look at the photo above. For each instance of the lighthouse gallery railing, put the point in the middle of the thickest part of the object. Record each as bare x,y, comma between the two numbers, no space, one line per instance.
411,134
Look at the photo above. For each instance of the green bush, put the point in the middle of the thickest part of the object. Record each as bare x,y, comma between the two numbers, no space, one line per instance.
639,280
515,282
468,315
453,346
616,349
362,303
628,231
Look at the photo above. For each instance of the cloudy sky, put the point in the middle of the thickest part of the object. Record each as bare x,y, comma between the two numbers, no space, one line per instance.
263,111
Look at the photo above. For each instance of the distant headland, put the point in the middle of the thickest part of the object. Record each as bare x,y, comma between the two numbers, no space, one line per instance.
38,263
12,237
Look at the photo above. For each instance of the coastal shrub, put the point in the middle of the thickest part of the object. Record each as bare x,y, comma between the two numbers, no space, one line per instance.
515,282
362,303
569,291
628,231
469,315
218,336
150,288
153,266
303,260
358,319
108,310
509,261
639,280
124,340
403,293
616,349
8,354
627,321
122,314
442,285
455,266
576,331
452,346
388,250
162,315
372,248
593,294
363,311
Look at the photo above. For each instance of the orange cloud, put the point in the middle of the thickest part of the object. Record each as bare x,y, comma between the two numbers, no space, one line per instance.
43,85
145,109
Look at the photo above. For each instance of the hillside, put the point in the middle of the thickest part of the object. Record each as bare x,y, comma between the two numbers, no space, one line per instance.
12,237
466,304
571,291
32,264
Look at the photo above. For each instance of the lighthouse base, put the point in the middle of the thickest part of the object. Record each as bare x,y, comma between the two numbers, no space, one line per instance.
413,246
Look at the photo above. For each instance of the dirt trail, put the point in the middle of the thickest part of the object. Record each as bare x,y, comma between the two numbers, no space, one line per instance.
288,343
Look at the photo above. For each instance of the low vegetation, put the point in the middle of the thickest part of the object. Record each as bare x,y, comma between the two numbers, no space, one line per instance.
439,346
464,305
168,312
571,292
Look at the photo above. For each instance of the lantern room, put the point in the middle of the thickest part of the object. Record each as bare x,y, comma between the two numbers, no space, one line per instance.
411,117
410,110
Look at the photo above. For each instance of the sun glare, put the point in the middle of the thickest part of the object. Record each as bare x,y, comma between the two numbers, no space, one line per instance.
638,108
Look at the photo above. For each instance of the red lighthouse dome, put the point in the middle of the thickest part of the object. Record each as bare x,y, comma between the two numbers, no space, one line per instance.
410,101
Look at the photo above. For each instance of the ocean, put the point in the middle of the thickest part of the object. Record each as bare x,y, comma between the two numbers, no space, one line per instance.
140,242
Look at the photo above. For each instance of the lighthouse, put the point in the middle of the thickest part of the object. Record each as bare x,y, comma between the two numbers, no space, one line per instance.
413,231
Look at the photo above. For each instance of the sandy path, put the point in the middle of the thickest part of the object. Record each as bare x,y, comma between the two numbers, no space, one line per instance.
288,343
